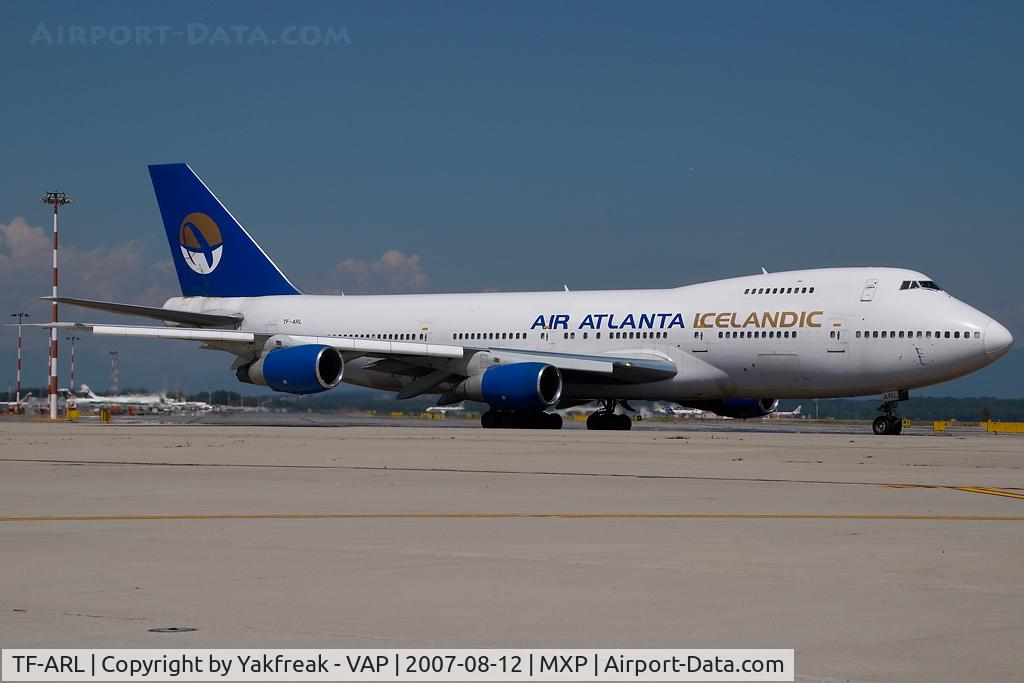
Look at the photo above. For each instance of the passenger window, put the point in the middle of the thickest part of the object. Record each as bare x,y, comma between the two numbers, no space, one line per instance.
720,335
572,335
811,290
858,334
946,335
919,334
746,291
597,335
977,335
565,335
794,334
584,335
956,335
901,334
928,334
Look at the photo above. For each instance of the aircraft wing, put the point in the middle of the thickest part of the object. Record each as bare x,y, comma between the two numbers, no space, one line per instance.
370,347
575,368
633,368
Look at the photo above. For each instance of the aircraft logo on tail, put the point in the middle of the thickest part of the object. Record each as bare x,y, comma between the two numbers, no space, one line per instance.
201,243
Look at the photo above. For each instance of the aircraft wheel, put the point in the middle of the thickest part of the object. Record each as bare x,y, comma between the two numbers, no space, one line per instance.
623,423
598,421
881,425
897,426
489,420
553,421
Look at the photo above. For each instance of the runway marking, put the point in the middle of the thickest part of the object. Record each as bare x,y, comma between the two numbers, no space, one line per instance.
466,470
990,491
510,515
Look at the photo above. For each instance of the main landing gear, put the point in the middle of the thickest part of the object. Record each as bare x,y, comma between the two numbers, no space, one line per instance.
889,424
606,419
509,419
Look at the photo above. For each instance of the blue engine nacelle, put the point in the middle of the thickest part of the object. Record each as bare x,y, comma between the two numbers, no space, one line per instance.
305,369
527,387
739,408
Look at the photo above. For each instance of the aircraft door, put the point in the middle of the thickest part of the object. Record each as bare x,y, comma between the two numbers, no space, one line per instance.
699,345
869,290
836,342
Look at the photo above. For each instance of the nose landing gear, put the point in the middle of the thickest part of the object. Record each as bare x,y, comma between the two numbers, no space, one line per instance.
889,424
606,419
885,425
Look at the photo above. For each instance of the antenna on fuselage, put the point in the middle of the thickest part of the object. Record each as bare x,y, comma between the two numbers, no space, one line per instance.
763,271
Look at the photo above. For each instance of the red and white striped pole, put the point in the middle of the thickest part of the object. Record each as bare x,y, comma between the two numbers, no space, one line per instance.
57,199
21,315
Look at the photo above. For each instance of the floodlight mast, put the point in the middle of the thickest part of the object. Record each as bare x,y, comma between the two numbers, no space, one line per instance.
57,200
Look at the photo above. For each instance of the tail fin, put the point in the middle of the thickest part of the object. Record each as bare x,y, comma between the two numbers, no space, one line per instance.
213,254
86,390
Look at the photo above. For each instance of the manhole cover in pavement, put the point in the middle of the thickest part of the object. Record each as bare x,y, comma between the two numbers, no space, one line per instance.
172,629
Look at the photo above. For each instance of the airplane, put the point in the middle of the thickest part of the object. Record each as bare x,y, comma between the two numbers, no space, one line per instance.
732,347
444,410
88,397
795,413
680,411
16,406
153,403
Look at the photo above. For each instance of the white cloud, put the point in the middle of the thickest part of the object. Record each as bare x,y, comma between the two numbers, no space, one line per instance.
118,273
393,272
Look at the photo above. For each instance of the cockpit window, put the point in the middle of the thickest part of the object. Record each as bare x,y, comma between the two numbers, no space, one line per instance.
920,284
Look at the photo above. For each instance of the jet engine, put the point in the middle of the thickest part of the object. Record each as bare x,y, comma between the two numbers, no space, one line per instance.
527,387
739,408
305,369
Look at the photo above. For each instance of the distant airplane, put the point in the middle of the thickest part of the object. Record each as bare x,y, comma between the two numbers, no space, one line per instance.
444,410
787,413
88,397
17,406
680,411
732,347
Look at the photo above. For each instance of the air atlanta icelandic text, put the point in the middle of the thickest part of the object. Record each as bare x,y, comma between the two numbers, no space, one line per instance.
666,321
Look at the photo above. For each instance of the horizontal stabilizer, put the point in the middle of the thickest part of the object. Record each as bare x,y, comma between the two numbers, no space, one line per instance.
181,317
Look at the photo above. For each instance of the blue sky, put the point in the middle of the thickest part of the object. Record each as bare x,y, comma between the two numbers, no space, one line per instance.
522,146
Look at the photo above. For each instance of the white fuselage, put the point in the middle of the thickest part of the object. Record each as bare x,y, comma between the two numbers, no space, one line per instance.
798,334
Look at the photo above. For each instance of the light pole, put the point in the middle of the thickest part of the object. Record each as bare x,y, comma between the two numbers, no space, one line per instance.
57,200
20,315
73,339
113,373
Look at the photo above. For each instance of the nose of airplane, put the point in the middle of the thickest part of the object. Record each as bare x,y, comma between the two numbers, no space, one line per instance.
998,340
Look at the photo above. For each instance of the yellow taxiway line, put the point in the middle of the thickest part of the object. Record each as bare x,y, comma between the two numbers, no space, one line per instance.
507,515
